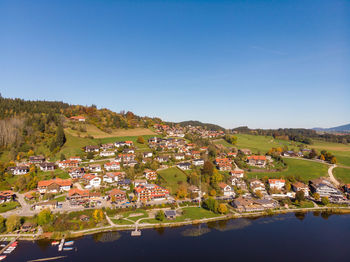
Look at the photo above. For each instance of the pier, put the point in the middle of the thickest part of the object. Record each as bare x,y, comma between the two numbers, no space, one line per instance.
9,244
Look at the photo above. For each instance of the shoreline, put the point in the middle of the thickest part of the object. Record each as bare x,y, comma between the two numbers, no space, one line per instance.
110,228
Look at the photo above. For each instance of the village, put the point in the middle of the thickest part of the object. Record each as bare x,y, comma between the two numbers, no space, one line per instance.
120,176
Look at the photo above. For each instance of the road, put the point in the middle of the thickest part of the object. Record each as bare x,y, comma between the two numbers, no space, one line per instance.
330,173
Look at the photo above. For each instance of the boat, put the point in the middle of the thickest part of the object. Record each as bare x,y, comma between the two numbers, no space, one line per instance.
61,245
55,243
67,248
2,257
69,243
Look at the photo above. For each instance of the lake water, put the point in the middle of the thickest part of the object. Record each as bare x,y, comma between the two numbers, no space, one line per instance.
291,237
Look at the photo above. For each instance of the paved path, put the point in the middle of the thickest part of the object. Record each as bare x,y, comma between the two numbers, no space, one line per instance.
330,173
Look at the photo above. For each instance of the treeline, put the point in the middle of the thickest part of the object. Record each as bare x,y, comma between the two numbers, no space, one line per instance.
294,134
207,126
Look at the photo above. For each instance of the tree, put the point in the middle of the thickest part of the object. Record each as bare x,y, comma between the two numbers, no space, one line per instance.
62,157
333,160
60,137
322,157
300,196
2,224
90,155
208,168
316,196
325,200
222,209
212,192
287,186
140,140
258,194
160,215
44,217
13,223
211,204
98,215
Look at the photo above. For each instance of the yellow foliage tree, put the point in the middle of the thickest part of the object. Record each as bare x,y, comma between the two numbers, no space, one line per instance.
222,209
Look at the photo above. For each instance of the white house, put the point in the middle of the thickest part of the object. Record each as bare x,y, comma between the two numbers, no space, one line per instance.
95,168
107,153
198,162
110,178
92,180
226,189
277,183
237,173
184,165
20,170
147,154
110,166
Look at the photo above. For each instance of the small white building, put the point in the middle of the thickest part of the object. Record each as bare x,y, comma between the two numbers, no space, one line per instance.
277,183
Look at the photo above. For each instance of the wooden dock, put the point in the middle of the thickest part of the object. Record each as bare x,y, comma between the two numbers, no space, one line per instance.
9,244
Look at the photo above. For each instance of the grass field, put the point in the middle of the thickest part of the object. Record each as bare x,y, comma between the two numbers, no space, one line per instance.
342,174
173,176
189,213
257,143
92,130
341,151
305,170
8,206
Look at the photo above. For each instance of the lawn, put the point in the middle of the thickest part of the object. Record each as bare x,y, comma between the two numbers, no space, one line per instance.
172,177
8,206
61,199
342,174
189,213
74,145
305,170
139,213
121,221
257,143
92,130
341,151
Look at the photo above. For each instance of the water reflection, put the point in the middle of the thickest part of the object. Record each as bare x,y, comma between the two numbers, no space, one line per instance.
106,237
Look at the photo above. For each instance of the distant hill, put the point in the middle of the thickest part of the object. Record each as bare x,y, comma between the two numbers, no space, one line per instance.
343,128
198,123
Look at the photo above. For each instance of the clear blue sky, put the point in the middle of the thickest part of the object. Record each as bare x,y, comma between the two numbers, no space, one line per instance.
264,64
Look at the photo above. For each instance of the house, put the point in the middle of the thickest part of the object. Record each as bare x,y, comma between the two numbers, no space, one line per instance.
36,159
110,166
162,159
196,154
124,183
198,162
107,153
95,168
193,189
232,154
44,205
151,192
125,157
47,166
257,185
140,182
147,154
150,174
238,173
27,226
124,144
75,158
6,196
92,149
258,161
179,156
298,186
129,151
68,163
84,218
107,146
130,163
226,189
253,205
76,172
54,185
117,195
19,170
184,165
170,214
246,151
347,188
325,188
112,177
277,183
223,164
78,118
77,196
92,180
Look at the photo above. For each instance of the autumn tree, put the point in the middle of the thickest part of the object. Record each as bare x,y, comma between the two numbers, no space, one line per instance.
44,217
222,208
160,215
140,140
13,222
